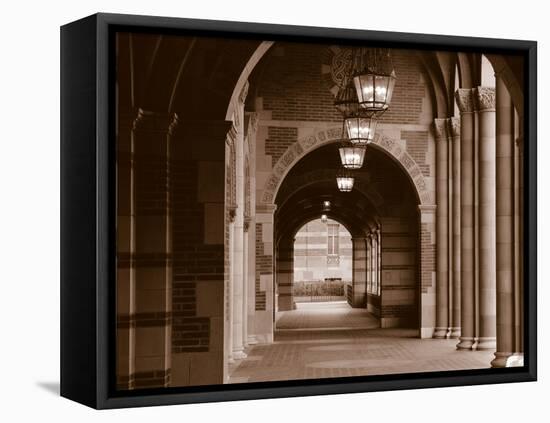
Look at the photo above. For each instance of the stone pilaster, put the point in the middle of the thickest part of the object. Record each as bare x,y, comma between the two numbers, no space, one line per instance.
360,269
264,300
201,223
485,98
285,273
427,218
454,138
464,99
153,249
442,230
505,234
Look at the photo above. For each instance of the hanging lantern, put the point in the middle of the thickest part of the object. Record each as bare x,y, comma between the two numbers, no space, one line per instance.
324,218
360,129
346,99
352,155
326,205
344,180
374,79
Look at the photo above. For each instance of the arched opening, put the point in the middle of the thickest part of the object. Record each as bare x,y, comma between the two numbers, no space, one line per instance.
385,269
323,255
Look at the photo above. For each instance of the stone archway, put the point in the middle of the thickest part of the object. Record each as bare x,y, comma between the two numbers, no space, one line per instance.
302,147
423,187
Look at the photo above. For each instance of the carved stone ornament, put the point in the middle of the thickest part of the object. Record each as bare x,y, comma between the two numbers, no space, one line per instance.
232,209
440,126
231,136
464,100
454,126
485,97
246,223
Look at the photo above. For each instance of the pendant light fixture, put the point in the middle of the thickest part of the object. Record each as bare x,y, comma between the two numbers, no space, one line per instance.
374,79
345,180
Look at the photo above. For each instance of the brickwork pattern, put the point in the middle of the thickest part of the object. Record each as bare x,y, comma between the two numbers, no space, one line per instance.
278,140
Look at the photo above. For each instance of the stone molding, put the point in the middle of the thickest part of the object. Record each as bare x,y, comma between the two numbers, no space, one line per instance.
305,145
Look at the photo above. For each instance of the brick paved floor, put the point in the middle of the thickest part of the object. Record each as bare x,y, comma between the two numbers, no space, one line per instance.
335,340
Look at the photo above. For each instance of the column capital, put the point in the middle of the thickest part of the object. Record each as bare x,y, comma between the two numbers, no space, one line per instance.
427,208
485,98
465,100
440,127
153,121
454,127
266,208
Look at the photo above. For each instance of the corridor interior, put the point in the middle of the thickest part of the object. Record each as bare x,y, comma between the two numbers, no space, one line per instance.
332,339
226,147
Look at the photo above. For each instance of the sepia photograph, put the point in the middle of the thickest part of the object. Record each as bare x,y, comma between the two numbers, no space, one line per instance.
297,210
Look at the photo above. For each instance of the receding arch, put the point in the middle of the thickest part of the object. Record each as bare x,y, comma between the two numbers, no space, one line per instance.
305,145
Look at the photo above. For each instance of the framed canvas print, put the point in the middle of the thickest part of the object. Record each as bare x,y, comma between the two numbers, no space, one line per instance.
255,211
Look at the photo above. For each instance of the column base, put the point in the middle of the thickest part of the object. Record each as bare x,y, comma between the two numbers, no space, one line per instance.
507,359
440,333
466,343
486,343
239,354
455,333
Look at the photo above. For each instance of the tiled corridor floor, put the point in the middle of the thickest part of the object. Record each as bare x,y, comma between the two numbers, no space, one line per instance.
334,340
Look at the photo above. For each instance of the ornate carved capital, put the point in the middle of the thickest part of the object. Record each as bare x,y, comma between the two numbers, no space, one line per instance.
232,209
440,126
454,127
485,98
465,100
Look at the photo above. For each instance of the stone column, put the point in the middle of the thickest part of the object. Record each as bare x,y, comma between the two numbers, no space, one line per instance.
454,132
359,284
368,263
238,245
378,261
464,99
442,230
153,256
485,98
245,279
505,236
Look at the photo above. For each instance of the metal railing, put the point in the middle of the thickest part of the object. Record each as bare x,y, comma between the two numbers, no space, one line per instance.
331,289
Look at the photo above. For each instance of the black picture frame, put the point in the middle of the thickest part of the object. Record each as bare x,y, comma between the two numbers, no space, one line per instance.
88,215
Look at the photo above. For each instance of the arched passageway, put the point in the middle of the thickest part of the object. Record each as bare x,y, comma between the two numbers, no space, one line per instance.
226,147
384,238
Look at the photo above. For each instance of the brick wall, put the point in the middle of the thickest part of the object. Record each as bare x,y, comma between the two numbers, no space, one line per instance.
417,147
279,139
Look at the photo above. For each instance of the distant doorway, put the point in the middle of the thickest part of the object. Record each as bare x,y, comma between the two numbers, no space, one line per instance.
323,256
